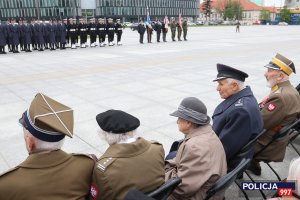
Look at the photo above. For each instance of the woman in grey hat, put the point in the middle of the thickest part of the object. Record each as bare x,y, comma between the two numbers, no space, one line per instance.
200,160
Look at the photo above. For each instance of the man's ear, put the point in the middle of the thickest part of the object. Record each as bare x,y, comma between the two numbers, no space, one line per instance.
30,143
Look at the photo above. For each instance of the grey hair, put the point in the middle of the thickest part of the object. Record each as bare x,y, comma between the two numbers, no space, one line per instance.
111,138
43,145
240,83
285,76
294,172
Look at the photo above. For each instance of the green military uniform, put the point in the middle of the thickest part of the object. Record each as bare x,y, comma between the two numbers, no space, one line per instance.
179,31
173,30
280,109
54,176
138,165
184,28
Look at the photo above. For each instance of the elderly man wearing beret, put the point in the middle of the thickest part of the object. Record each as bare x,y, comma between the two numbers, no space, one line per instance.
279,109
237,119
200,160
129,162
48,172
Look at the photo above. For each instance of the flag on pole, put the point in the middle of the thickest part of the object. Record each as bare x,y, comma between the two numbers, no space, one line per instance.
179,20
166,22
148,16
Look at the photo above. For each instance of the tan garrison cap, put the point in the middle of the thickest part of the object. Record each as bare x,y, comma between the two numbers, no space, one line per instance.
47,119
282,63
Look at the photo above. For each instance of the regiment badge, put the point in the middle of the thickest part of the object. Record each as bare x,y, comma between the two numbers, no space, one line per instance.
271,107
94,191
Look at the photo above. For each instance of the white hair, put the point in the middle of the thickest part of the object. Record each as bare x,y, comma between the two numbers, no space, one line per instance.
112,138
238,82
294,173
285,76
43,145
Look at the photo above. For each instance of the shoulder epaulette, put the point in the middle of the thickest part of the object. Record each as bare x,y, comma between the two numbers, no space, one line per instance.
9,171
103,163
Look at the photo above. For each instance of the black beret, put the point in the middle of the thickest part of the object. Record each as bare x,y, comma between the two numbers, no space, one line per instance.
225,71
117,121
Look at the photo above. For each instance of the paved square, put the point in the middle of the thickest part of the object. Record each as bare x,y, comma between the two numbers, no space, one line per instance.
148,81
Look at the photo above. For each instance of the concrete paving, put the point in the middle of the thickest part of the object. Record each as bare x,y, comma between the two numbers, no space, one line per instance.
146,80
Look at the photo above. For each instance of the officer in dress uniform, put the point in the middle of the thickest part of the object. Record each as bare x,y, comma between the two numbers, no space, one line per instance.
33,34
57,33
110,28
82,29
39,32
22,34
15,36
141,30
62,31
237,119
52,31
93,32
173,29
67,26
9,36
184,28
46,26
101,28
73,33
3,34
27,36
119,31
48,172
158,28
280,108
129,162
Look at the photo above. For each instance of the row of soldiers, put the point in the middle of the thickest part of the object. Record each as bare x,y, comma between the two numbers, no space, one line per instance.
163,27
57,34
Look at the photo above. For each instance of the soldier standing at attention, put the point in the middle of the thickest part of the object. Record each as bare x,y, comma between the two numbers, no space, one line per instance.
15,33
73,33
82,29
67,26
119,31
3,34
110,28
52,31
185,28
158,28
101,27
93,32
179,29
165,28
48,172
149,32
27,36
141,30
173,29
237,26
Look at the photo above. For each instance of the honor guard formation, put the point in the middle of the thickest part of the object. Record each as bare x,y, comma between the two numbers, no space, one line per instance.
243,134
26,35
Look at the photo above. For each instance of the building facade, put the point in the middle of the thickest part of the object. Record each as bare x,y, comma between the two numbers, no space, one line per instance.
126,9
293,4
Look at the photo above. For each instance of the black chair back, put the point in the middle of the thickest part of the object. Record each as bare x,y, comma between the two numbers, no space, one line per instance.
164,191
225,181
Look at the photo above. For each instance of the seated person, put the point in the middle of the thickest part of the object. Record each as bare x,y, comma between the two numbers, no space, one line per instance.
237,119
48,172
129,162
279,109
200,160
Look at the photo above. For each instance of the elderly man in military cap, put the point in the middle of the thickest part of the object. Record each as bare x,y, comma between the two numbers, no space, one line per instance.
129,162
280,108
200,160
48,172
237,119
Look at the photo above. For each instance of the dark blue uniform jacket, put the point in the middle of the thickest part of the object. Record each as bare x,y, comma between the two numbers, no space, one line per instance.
236,121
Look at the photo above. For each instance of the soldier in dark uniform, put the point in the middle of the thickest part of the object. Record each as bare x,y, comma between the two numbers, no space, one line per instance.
67,26
141,30
110,29
101,28
179,30
93,32
149,32
57,33
27,36
15,35
46,26
73,33
119,31
48,172
39,33
280,108
62,32
22,34
3,34
237,119
237,26
127,156
52,32
184,28
82,29
173,29
33,34
158,28
9,36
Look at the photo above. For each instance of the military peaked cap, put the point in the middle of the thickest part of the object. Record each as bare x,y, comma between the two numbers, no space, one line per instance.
225,71
47,119
282,63
117,121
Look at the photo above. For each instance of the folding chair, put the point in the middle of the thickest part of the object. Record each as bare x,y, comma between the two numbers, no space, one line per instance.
225,181
164,191
293,135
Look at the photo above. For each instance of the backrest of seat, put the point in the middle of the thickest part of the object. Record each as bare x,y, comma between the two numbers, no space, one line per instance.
298,88
166,189
225,181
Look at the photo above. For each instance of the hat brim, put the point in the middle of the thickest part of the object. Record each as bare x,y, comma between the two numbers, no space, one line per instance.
22,121
179,114
219,78
272,66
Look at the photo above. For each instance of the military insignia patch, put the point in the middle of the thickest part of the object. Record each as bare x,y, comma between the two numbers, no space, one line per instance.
94,191
271,107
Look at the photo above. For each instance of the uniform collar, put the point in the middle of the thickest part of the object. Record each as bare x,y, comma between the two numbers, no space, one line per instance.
279,85
232,99
45,160
127,150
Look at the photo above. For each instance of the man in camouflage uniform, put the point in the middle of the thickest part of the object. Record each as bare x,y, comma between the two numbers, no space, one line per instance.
173,29
184,28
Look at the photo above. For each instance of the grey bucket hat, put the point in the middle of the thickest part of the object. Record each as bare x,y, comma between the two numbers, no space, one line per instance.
192,110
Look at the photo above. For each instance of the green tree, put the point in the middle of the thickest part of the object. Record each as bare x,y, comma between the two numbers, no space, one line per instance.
233,10
285,15
265,15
